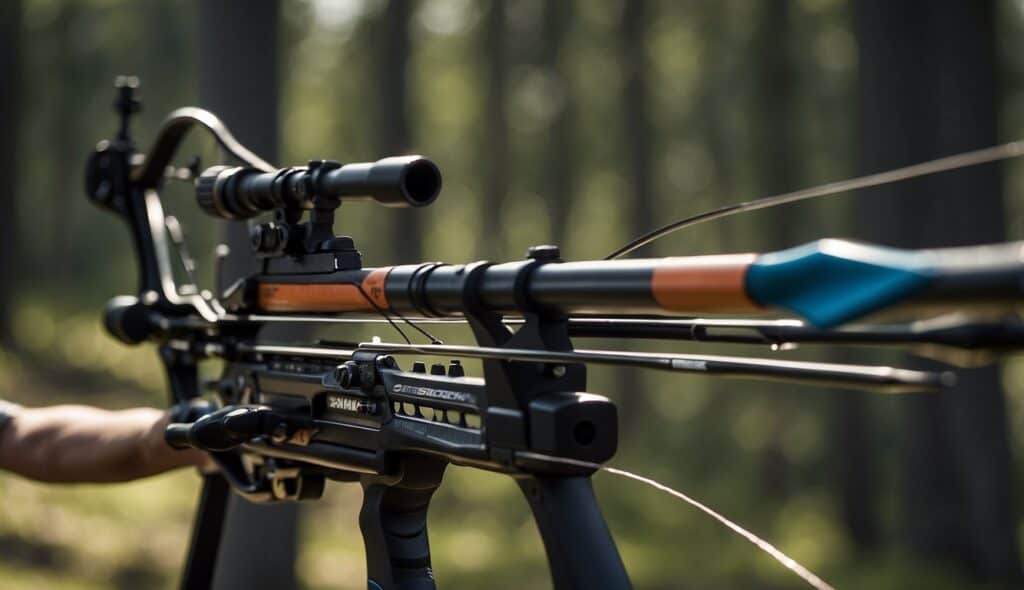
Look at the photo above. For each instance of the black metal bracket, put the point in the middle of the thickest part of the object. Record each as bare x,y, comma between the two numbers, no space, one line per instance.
289,245
511,385
535,407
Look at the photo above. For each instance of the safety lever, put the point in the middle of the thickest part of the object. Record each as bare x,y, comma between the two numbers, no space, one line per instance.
230,427
226,429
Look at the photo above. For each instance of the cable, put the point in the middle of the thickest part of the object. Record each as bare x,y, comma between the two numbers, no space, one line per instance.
1005,151
433,339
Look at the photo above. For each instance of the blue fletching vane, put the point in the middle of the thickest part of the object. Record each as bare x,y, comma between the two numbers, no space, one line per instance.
830,282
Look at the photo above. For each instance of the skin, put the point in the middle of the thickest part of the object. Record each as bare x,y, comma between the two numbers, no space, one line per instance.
82,444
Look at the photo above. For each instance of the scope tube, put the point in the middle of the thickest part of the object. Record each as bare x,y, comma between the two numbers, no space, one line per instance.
230,192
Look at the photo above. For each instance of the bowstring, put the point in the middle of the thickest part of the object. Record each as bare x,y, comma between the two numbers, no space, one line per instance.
807,575
791,564
995,153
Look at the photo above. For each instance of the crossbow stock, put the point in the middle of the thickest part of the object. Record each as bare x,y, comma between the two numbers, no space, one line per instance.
286,417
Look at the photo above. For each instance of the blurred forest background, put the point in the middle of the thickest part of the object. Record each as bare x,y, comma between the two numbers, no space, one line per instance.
572,122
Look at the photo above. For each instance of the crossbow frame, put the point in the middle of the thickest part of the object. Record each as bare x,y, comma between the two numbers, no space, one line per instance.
288,417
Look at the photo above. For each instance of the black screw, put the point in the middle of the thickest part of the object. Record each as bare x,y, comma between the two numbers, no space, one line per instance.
341,375
344,376
547,252
347,375
280,434
267,238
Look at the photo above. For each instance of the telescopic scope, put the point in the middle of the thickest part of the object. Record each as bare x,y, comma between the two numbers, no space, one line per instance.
231,192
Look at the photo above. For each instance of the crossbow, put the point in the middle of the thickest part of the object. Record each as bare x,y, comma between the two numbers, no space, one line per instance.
285,417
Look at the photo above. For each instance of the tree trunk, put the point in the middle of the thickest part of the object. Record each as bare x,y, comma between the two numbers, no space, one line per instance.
238,80
636,118
774,122
714,91
929,87
10,116
391,130
558,168
854,468
774,140
636,148
494,150
65,118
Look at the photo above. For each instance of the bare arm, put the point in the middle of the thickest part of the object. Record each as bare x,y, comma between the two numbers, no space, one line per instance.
77,444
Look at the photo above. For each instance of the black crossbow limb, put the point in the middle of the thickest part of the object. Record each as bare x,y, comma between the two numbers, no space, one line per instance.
289,416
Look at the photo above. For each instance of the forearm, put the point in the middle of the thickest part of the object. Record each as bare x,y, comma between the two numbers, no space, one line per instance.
83,444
